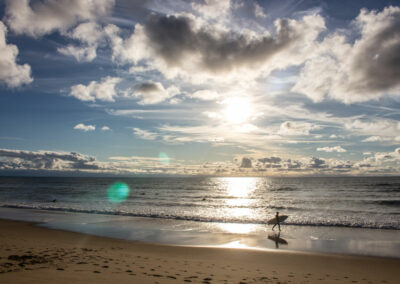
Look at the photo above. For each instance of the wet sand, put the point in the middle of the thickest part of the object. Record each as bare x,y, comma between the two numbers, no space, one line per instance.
31,254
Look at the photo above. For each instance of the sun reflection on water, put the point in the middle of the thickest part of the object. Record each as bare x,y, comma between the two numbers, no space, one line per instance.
237,228
240,186
239,191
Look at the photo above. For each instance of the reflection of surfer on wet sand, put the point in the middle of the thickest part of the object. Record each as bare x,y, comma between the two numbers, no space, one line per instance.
277,239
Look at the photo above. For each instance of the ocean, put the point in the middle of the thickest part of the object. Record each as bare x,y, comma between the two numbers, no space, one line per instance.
369,203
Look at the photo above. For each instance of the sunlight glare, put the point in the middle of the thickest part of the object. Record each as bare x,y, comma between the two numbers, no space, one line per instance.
240,186
234,244
237,228
237,110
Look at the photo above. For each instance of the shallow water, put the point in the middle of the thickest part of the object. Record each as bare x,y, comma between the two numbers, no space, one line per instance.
340,240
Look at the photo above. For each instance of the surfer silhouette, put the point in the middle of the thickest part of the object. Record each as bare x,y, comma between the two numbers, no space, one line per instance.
277,222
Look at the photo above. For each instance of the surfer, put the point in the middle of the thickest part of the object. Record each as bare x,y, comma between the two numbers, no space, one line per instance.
277,222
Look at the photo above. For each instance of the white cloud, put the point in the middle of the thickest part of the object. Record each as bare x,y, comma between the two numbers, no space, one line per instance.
337,149
356,72
373,139
205,95
395,139
103,91
11,73
374,127
335,136
43,17
84,127
296,128
212,8
105,128
154,92
90,35
81,54
144,134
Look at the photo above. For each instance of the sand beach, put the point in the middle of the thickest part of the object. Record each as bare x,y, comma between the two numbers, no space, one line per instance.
32,254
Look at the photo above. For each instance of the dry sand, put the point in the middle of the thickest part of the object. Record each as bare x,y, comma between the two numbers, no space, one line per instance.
31,254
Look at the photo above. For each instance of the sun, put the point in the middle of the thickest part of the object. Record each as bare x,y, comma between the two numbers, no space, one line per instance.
237,110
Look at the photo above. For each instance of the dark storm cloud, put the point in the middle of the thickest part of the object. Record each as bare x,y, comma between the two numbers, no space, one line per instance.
246,163
28,160
378,58
293,164
148,87
174,37
317,163
272,160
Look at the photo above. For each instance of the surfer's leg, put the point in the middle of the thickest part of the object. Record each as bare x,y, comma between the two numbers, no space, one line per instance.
273,227
279,226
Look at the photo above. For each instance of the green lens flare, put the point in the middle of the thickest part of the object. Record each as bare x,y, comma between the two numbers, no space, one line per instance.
118,192
164,159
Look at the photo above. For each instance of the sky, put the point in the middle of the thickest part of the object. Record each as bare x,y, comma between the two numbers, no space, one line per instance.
184,87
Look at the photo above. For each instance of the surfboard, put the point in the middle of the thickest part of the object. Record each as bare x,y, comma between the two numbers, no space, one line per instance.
281,219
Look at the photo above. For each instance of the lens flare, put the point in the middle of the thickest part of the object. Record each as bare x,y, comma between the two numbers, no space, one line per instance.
164,159
118,192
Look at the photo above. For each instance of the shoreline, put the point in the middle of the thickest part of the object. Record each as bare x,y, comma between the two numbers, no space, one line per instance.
333,240
32,254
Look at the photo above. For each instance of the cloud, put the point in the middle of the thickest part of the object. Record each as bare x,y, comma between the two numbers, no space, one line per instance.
212,8
90,35
246,163
337,149
249,10
317,163
81,54
205,95
376,138
365,70
11,73
381,157
184,45
105,128
272,160
144,134
84,127
44,17
103,91
46,160
14,160
385,128
154,92
296,128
